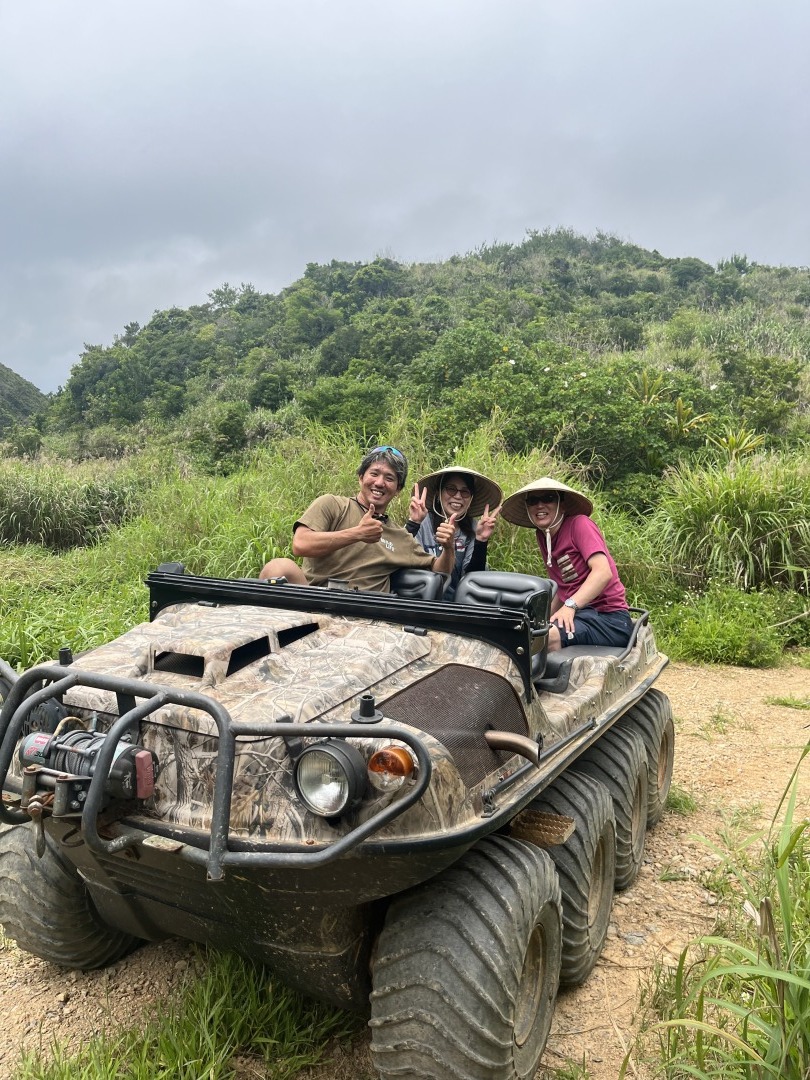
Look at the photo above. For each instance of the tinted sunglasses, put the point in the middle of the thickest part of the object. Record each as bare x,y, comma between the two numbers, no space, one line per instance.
386,449
542,497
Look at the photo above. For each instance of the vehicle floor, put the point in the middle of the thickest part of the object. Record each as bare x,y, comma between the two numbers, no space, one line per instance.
734,754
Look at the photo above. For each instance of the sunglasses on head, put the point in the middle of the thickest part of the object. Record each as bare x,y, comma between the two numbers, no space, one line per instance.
386,449
542,497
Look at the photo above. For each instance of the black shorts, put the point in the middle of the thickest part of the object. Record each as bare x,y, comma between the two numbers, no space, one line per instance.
592,627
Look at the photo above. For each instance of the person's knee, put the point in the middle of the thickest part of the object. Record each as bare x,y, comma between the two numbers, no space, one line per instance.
554,639
284,568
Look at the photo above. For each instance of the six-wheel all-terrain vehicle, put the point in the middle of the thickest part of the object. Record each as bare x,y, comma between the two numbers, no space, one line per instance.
398,804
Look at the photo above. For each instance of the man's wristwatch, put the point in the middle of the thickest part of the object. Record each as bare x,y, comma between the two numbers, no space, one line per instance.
570,602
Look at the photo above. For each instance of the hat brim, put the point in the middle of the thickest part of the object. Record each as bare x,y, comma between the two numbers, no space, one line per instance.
515,510
487,492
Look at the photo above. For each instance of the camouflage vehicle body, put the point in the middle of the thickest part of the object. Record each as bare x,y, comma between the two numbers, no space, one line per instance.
226,684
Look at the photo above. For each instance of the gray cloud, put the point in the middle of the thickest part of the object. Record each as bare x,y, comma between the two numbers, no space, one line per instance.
152,151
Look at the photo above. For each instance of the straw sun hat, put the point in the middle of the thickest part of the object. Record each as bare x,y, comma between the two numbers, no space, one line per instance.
487,492
571,502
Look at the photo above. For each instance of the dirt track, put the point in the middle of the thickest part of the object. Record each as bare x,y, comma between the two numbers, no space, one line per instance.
734,753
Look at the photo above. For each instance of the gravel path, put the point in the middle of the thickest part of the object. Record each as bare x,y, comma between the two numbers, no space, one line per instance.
734,753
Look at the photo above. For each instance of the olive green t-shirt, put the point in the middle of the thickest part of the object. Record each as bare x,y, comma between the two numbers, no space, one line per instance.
362,566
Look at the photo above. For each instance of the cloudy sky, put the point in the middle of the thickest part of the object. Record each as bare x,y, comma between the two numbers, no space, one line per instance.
151,150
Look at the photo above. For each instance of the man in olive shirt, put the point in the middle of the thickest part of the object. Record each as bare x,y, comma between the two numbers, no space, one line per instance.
351,539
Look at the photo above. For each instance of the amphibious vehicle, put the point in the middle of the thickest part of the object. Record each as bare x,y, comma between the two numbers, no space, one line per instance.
400,805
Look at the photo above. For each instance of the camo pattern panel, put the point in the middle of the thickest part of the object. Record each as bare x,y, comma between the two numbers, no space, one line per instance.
309,677
598,683
265,805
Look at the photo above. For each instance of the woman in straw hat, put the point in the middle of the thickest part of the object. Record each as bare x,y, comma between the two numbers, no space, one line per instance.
470,496
590,606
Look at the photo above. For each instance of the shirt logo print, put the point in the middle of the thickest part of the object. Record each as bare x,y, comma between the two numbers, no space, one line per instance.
567,570
386,543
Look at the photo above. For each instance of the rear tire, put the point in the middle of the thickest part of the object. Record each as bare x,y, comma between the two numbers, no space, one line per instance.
619,761
652,719
466,969
586,864
46,909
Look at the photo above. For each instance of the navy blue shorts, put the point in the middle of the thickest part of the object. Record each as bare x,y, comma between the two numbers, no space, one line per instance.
593,627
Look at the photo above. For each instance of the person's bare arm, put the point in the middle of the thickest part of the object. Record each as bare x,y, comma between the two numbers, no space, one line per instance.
309,544
593,586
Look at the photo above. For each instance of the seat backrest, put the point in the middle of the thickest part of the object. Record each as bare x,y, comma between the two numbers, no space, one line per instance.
414,584
496,588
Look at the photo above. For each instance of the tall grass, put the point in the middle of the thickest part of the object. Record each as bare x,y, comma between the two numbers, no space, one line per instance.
737,1007
745,523
59,507
229,526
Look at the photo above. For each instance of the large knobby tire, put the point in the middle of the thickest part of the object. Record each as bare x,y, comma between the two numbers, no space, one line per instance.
46,909
619,761
467,967
586,865
652,719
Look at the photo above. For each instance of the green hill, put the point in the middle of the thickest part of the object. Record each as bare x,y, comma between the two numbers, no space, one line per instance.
19,398
619,357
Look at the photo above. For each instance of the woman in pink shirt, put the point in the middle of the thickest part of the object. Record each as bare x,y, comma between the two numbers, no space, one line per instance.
590,607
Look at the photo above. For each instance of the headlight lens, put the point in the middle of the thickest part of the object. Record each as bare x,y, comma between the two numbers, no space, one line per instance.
330,777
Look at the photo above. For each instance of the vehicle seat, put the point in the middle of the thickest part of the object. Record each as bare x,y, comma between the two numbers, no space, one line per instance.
497,588
557,670
413,584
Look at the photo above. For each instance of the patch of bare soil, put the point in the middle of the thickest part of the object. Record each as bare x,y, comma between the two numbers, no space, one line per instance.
734,754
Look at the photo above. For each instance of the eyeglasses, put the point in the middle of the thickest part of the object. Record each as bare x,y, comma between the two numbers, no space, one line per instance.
464,493
386,449
542,497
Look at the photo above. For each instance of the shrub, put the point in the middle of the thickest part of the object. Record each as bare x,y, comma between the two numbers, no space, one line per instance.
45,504
745,522
724,626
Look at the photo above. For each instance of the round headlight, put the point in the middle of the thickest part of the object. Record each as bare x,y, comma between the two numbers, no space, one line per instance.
330,777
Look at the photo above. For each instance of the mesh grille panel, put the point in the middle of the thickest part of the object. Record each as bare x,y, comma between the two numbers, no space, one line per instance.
180,664
457,705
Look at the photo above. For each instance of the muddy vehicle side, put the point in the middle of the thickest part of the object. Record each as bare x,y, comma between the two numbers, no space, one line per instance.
387,799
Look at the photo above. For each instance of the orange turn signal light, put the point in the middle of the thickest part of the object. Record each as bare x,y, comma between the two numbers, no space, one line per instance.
390,767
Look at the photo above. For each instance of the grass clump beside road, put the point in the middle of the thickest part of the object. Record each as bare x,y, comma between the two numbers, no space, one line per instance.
232,1014
737,1006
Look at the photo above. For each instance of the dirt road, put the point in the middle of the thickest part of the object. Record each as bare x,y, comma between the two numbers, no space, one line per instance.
734,753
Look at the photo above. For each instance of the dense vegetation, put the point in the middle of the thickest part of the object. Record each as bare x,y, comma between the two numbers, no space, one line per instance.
19,400
621,359
677,392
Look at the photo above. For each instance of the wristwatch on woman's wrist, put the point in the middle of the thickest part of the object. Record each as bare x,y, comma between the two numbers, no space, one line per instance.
570,602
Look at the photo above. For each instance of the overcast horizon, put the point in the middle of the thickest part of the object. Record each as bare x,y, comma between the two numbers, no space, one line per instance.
152,152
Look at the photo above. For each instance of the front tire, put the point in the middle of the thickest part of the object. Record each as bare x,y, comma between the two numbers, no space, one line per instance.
46,909
467,967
